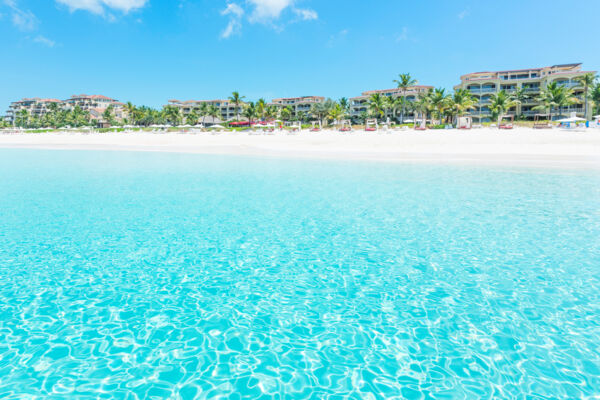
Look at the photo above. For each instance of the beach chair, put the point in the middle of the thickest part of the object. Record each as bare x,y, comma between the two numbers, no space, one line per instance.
506,122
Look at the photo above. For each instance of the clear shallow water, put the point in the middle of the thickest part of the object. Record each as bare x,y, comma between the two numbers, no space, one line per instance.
132,275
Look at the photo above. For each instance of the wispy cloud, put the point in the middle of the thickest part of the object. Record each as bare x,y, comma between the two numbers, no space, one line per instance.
24,20
337,38
463,14
268,9
403,35
235,13
266,12
101,6
44,40
306,14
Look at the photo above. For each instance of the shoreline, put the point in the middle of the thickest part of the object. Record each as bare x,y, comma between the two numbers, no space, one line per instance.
490,147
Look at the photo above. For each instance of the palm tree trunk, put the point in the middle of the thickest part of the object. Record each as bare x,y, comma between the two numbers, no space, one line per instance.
585,109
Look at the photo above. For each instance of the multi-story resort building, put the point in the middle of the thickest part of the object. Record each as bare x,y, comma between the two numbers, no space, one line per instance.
94,104
298,104
35,107
360,104
227,109
483,84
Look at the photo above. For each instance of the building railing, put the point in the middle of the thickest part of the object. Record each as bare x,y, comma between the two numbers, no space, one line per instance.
482,90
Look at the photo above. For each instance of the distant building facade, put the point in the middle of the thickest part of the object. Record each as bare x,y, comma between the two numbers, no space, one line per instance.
298,104
96,105
360,104
533,80
227,109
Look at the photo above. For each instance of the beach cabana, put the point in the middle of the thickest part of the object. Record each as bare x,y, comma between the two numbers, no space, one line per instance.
542,121
464,123
294,127
506,122
371,125
420,124
316,126
345,126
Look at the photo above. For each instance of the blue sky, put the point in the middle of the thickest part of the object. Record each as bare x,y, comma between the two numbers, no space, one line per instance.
149,51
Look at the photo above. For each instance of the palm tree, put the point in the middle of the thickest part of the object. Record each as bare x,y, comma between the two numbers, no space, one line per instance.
192,118
236,100
250,111
556,95
130,109
214,112
107,115
587,80
501,102
53,114
461,102
344,104
520,96
321,110
423,104
404,82
377,104
261,106
336,113
271,112
203,110
439,101
285,114
398,103
172,114
596,96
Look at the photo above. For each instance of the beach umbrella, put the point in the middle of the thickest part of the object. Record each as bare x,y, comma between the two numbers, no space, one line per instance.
217,126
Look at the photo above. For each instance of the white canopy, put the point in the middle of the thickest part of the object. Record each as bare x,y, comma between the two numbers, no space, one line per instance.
572,119
217,126
596,117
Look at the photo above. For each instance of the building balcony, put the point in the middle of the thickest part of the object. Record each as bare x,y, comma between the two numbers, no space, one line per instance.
482,90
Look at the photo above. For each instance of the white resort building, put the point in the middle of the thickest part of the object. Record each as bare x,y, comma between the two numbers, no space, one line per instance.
94,104
227,109
532,80
35,107
360,104
298,104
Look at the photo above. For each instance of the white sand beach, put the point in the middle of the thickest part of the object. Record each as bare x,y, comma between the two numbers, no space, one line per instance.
520,146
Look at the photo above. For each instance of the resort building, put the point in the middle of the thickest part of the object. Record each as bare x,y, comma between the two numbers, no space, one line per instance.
35,107
89,102
227,109
95,105
360,104
298,104
532,81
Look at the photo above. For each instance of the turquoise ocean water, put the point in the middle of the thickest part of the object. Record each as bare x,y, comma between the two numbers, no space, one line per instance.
142,275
